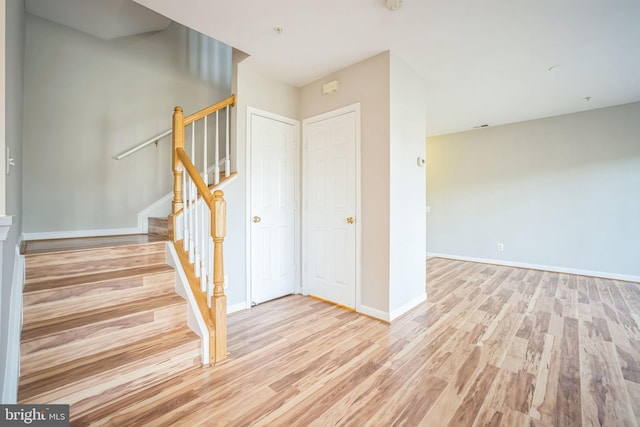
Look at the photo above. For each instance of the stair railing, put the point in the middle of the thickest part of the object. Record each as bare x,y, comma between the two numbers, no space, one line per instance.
199,217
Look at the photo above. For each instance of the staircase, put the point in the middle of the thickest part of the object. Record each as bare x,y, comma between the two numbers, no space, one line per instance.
101,320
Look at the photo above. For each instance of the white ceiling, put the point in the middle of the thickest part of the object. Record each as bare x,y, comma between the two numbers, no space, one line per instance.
483,61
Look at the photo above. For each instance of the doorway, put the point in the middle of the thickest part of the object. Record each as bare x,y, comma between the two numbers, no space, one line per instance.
274,226
331,208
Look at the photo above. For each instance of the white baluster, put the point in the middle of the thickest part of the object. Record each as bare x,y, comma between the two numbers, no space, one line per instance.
193,142
196,236
227,160
193,196
194,199
204,160
185,210
210,282
216,160
203,243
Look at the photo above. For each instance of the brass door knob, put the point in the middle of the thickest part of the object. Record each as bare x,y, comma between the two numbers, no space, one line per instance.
350,220
257,219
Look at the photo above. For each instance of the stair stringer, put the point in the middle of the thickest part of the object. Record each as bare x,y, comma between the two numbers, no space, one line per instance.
195,321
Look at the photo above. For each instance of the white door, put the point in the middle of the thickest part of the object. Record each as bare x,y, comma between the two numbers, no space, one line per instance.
273,205
329,206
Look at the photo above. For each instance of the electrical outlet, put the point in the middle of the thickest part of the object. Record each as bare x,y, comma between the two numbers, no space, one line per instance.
500,247
226,282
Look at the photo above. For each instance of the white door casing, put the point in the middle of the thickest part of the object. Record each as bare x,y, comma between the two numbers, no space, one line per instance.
273,205
331,208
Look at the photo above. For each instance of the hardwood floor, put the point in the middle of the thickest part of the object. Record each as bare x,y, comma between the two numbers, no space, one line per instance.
493,346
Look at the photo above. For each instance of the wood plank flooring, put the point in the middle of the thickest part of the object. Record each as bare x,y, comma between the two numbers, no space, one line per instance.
101,320
32,247
493,346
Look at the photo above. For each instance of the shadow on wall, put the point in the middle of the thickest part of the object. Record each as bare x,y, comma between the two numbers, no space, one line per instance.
206,58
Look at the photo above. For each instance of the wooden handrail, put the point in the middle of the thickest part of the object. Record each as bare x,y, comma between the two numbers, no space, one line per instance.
195,176
230,101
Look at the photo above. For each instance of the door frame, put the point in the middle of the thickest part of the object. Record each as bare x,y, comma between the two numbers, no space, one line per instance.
353,108
252,111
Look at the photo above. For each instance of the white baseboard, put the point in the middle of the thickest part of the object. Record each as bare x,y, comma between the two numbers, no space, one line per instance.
373,312
408,306
590,273
80,233
12,366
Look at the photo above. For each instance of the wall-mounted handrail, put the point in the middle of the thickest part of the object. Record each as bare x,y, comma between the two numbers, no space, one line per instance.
230,101
140,146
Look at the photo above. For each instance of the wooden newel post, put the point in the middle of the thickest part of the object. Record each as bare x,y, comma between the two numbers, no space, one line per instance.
219,299
177,142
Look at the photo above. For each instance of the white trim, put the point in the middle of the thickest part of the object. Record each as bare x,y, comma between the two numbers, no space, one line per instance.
353,108
156,209
5,225
247,210
12,366
374,312
407,307
3,105
252,111
194,317
590,273
80,233
241,306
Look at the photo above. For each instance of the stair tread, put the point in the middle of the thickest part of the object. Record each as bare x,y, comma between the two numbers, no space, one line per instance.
33,247
128,331
52,326
76,370
81,279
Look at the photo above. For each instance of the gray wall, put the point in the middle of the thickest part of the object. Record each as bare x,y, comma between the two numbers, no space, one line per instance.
90,99
13,190
561,192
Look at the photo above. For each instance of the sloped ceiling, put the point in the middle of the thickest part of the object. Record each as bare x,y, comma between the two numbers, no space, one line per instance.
105,19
